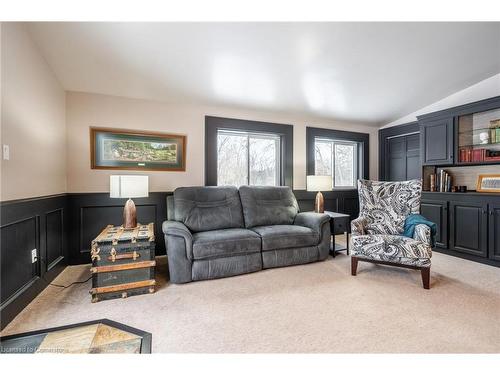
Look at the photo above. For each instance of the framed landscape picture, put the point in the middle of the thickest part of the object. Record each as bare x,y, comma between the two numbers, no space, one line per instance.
136,150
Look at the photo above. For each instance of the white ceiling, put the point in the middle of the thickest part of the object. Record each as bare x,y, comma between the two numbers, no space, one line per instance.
369,72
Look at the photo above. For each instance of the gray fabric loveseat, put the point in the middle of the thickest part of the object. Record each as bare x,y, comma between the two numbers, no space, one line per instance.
214,232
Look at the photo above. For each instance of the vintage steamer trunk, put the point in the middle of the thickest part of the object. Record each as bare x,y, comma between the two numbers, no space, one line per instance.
123,262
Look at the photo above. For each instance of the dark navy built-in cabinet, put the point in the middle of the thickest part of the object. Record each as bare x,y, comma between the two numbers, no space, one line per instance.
468,224
450,136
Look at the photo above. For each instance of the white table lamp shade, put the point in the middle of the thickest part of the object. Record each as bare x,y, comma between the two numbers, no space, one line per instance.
128,186
319,183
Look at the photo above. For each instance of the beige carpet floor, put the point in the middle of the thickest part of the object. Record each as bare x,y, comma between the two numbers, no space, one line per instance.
317,307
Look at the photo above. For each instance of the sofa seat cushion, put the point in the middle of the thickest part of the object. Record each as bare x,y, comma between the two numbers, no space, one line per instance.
224,243
391,248
286,236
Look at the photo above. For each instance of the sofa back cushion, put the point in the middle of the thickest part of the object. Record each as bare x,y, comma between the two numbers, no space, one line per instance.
204,208
268,205
170,208
387,204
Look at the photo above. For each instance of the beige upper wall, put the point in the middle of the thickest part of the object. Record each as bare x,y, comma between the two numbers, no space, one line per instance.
32,119
84,110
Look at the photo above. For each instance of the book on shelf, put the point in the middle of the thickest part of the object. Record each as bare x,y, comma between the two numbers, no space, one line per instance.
465,154
495,131
472,155
441,182
492,158
495,135
461,155
433,182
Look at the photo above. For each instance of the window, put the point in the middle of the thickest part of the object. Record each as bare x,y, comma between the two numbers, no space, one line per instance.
245,158
337,158
338,153
241,152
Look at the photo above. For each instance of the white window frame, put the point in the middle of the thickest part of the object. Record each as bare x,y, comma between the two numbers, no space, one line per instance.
356,167
255,135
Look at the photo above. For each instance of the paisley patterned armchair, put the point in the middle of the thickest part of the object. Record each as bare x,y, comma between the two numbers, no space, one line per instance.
376,233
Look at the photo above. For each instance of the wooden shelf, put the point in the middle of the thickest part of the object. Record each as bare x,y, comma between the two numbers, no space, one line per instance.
474,163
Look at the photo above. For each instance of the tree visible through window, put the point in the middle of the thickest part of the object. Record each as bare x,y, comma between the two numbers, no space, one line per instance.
337,159
247,158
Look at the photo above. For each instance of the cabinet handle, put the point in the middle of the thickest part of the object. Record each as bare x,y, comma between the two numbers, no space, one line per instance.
492,213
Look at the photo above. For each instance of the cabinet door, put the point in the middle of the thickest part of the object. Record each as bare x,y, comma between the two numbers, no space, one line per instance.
437,212
403,158
396,158
469,228
437,141
494,231
413,166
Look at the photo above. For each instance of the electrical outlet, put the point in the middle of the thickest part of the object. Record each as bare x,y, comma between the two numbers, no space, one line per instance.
6,152
34,258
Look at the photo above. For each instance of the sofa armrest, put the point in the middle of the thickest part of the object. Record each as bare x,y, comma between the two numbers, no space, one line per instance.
176,228
358,226
311,220
179,245
320,223
423,234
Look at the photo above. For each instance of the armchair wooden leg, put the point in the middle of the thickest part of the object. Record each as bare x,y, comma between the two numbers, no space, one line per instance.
354,265
426,277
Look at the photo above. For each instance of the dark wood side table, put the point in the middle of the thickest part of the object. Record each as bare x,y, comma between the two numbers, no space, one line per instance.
339,224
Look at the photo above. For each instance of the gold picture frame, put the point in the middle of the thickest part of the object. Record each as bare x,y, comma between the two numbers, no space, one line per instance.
488,183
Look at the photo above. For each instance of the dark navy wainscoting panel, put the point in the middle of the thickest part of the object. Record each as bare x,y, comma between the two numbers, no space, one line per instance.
27,224
89,213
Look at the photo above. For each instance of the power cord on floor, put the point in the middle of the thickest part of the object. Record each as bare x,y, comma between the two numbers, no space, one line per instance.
65,286
73,283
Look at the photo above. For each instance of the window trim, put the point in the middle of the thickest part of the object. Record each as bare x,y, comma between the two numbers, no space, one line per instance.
363,140
214,124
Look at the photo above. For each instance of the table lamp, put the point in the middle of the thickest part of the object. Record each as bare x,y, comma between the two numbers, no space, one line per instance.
129,186
319,183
